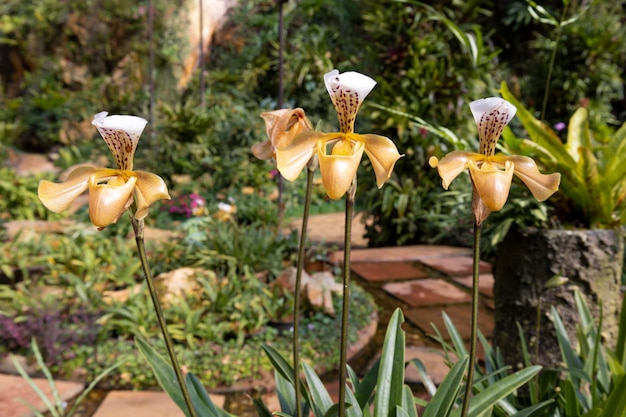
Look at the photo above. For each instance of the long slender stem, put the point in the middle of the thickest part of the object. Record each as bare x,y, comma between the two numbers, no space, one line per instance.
546,91
297,296
201,53
151,88
281,78
138,227
345,309
474,333
538,327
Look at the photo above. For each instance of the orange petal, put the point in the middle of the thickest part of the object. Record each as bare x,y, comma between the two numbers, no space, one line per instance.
292,159
149,189
491,183
283,125
451,165
58,196
263,150
108,202
338,171
382,153
540,185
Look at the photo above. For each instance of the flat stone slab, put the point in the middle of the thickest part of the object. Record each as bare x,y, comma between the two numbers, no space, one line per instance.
328,228
434,363
30,163
426,292
387,271
460,316
144,404
15,392
485,283
402,253
455,265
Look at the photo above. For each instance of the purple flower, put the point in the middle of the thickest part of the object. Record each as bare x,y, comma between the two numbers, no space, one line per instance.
559,126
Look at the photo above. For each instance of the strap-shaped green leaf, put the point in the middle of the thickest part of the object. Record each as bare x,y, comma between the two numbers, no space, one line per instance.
408,402
616,403
578,133
488,398
538,131
201,400
601,203
164,373
391,373
320,398
443,401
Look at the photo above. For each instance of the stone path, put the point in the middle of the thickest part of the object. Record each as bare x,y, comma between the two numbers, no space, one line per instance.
423,281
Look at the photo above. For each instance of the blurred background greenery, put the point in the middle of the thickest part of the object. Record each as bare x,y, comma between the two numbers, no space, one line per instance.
62,62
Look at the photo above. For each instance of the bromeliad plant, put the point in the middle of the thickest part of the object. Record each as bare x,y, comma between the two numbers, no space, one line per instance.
491,176
593,188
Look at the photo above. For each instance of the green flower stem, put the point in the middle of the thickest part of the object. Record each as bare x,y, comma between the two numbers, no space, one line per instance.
538,327
474,333
546,91
345,306
138,226
297,296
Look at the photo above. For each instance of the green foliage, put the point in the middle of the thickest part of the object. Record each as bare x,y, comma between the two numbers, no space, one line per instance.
66,63
593,185
219,328
590,381
58,408
381,393
494,386
215,244
227,363
18,197
587,40
437,64
210,145
594,374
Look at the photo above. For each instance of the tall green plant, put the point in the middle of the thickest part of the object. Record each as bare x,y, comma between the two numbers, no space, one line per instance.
593,186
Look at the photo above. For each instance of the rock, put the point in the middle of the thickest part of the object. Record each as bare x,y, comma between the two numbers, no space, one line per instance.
8,367
317,289
29,163
592,262
180,283
31,229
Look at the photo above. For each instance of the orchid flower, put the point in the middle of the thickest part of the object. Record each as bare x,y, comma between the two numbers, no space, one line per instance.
282,126
340,152
492,173
111,191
